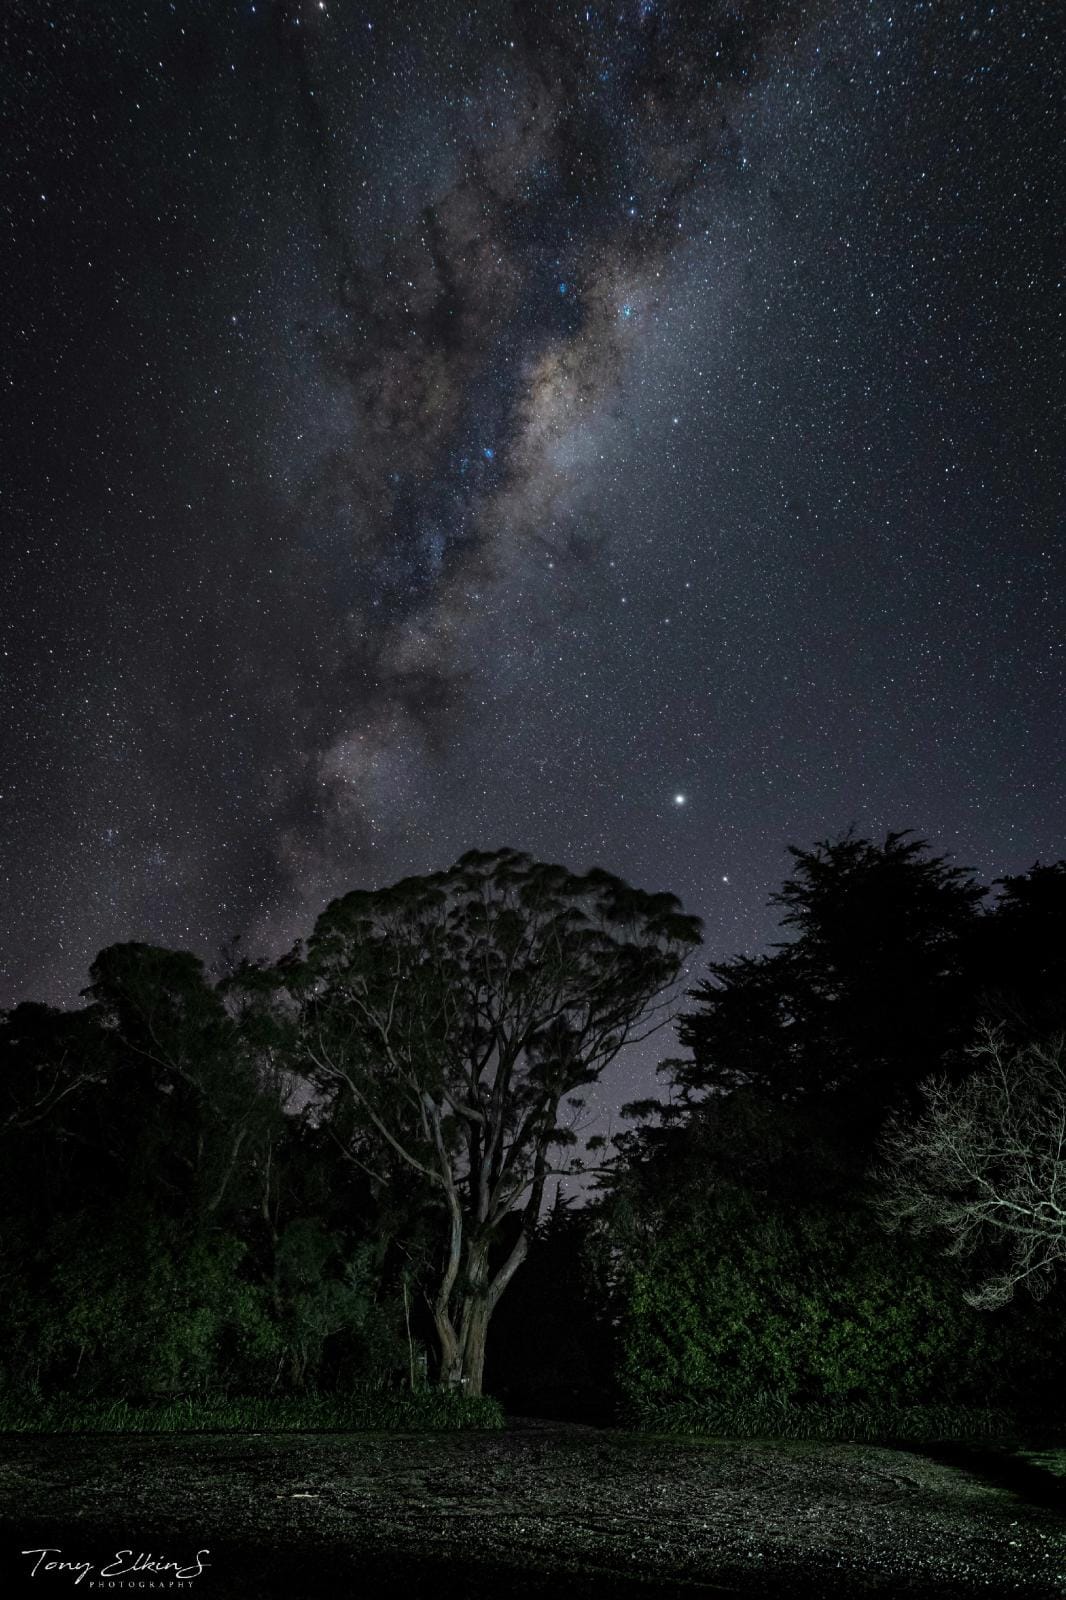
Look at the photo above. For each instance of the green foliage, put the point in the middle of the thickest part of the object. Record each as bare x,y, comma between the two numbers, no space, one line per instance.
120,1304
116,1305
809,1305
326,1293
748,1263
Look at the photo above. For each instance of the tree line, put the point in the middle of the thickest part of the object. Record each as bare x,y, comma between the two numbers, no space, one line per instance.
340,1167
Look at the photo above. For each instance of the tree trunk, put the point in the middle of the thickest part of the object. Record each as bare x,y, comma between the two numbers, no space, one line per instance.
451,1355
480,1298
462,1336
477,1327
462,1358
474,1318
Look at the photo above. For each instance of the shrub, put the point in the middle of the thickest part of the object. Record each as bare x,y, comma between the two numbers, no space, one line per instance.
810,1306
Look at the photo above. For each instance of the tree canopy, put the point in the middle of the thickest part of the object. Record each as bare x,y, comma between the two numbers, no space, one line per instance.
870,991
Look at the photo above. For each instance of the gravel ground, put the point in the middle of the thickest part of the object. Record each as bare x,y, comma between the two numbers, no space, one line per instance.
542,1509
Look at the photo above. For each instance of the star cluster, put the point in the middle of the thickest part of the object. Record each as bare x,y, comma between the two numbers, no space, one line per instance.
631,432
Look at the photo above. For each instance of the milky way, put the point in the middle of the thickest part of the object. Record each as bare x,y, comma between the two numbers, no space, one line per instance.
479,352
436,427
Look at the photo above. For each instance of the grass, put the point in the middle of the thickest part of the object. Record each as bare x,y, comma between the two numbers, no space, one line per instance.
1053,1461
767,1418
362,1411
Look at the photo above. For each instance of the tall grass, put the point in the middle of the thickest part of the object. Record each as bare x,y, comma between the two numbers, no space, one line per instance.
362,1411
768,1418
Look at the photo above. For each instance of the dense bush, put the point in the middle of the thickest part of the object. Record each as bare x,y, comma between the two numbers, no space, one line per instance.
109,1304
749,1269
131,1302
810,1307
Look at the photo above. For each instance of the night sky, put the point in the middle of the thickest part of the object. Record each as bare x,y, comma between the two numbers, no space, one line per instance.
630,432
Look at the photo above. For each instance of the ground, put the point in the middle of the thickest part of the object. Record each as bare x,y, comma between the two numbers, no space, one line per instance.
541,1509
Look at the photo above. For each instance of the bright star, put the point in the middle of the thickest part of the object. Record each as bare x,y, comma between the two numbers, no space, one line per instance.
680,799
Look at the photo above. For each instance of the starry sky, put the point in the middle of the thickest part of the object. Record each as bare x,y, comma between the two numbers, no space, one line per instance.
630,432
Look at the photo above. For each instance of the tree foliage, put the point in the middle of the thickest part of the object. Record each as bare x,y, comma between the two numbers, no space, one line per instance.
748,1266
168,1222
867,995
742,1227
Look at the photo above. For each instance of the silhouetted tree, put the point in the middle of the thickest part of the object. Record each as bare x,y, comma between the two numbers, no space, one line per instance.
1019,955
869,995
458,1015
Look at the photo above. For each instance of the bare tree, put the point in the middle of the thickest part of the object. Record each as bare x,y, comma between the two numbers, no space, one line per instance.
985,1165
458,1015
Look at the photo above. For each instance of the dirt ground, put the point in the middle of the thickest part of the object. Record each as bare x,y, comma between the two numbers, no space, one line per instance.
541,1509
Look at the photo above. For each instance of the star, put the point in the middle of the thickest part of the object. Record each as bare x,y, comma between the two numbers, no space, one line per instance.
423,470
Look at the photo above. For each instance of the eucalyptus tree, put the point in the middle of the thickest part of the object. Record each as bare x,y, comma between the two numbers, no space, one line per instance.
454,1020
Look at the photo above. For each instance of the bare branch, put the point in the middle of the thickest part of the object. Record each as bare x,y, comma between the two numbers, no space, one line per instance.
984,1166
